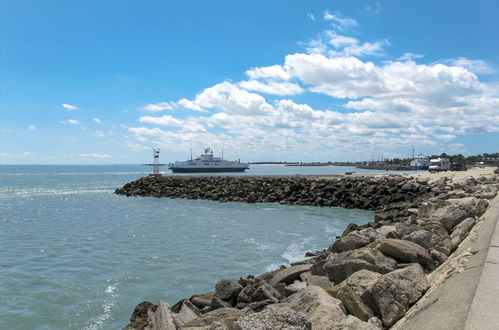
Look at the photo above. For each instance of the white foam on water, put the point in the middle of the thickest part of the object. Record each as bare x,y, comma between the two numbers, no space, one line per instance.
296,250
98,321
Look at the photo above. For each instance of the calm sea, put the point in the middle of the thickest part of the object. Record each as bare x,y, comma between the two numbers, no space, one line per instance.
73,255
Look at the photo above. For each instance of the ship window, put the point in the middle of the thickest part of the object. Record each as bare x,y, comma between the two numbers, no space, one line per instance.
207,163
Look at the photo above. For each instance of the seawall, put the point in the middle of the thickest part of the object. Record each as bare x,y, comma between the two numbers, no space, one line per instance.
427,250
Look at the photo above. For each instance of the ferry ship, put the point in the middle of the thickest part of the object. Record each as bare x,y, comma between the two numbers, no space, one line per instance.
206,162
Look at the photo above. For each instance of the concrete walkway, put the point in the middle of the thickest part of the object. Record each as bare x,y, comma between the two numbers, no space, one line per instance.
465,290
484,311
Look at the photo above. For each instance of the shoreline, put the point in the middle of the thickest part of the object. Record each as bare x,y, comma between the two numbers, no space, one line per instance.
414,236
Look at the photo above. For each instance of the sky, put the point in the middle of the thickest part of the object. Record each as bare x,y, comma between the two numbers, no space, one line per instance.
105,82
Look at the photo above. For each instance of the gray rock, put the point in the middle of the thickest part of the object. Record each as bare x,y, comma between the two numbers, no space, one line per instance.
322,281
355,240
202,300
289,275
388,231
353,323
138,320
376,322
224,317
294,288
405,251
341,266
224,290
393,293
322,310
438,256
217,303
351,290
460,231
184,316
257,290
162,318
423,237
274,317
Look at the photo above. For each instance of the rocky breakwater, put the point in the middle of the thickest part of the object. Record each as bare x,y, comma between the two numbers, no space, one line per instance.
367,279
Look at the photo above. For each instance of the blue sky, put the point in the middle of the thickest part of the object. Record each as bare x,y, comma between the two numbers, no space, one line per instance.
107,81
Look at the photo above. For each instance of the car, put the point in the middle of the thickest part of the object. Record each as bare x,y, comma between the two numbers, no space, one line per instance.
458,167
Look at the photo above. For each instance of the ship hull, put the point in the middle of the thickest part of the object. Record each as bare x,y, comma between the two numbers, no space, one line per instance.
207,169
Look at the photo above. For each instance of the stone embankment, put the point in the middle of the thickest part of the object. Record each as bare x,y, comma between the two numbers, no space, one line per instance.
373,277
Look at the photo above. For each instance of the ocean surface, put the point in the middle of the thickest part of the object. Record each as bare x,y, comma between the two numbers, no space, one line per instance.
73,255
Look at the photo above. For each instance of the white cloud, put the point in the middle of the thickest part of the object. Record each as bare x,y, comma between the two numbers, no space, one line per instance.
164,120
410,57
72,121
32,127
185,103
100,133
476,66
339,22
272,87
275,72
157,107
97,156
98,121
69,106
311,16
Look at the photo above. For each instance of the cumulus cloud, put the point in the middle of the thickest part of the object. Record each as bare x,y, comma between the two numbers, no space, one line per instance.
476,66
385,105
98,121
69,106
72,121
164,120
311,16
272,87
157,107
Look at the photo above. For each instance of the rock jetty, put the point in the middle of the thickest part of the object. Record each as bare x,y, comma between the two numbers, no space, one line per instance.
367,279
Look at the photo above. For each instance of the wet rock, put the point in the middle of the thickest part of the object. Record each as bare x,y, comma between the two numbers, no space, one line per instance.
224,290
138,320
393,293
405,251
202,300
341,266
355,240
289,275
255,291
274,317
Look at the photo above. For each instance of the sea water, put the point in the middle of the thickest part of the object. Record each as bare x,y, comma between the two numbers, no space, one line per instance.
74,255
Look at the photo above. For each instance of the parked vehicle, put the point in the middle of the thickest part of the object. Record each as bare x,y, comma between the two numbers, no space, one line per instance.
439,164
455,166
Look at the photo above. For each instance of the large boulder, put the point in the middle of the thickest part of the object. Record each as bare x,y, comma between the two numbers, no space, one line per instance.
274,317
289,275
202,300
226,291
460,231
184,316
322,310
162,318
351,290
322,281
224,317
257,290
355,240
405,251
353,323
393,293
340,266
138,320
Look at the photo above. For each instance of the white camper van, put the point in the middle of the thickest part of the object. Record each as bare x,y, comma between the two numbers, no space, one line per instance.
439,164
